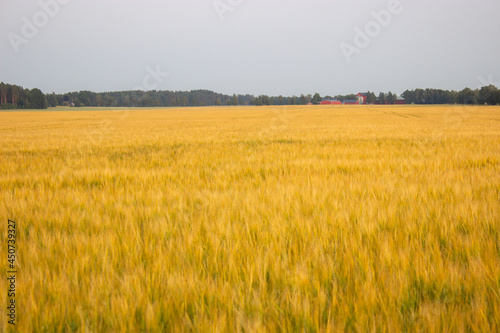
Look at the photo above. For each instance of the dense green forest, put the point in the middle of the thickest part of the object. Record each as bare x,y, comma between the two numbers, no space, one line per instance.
16,97
489,95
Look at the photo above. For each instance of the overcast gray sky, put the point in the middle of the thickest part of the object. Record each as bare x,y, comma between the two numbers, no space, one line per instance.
268,47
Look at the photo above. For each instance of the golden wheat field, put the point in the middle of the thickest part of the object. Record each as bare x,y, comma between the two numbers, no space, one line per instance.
377,218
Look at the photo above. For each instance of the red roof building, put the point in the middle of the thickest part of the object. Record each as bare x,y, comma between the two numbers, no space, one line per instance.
362,98
330,102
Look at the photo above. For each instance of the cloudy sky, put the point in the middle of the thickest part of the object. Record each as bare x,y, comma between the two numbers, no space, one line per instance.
268,47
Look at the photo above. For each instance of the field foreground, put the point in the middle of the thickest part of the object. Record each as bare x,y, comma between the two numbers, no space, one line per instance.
256,219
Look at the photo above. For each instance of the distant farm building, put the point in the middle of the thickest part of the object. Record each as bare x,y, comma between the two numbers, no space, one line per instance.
400,100
351,102
362,98
330,102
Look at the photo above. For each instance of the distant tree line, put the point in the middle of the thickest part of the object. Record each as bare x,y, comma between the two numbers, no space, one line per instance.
16,97
281,100
153,98
489,95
